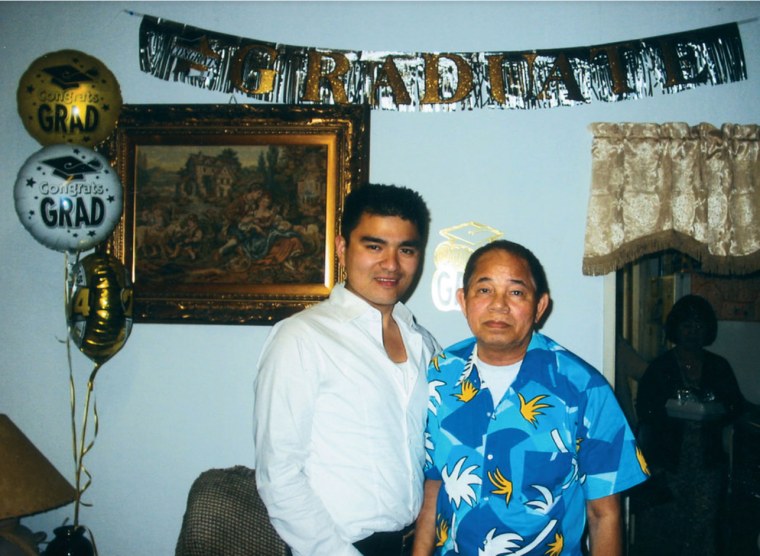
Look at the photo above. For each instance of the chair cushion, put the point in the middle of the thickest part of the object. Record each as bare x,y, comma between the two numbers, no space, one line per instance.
226,517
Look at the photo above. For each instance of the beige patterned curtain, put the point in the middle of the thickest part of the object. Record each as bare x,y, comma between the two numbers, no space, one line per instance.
655,187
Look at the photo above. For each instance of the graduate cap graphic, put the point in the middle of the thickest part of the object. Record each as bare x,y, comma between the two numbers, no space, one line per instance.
67,76
471,234
72,168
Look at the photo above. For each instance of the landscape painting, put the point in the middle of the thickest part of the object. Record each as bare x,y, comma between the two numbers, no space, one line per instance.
231,214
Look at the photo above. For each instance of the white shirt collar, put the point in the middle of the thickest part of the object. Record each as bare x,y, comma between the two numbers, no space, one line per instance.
354,306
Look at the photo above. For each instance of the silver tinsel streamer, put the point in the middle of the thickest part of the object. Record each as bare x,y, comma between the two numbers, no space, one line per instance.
458,81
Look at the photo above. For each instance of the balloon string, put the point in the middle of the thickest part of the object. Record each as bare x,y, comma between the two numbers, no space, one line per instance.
83,450
68,292
133,13
79,439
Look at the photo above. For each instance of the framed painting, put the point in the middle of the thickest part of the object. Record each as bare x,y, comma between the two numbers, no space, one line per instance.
231,211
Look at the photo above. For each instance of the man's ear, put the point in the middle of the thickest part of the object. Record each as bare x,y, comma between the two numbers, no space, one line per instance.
462,301
543,304
340,249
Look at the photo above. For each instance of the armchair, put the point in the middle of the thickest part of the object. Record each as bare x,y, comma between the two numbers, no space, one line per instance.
226,517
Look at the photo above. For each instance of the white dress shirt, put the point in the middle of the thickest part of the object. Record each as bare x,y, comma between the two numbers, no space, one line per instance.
339,427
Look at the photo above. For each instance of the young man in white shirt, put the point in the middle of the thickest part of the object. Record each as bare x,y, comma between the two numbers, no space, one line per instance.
341,393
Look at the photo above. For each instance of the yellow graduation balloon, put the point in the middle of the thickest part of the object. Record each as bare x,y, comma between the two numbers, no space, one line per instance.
69,97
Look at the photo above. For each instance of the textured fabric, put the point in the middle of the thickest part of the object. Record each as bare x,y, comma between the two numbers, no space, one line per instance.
687,456
339,426
687,524
517,477
671,186
226,517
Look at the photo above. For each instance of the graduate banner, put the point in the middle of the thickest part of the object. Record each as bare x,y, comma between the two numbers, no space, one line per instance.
441,81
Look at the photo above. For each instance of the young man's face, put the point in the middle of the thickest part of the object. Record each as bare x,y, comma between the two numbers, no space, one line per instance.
501,306
381,259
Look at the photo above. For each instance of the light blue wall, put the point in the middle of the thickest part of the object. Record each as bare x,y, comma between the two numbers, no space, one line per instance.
177,399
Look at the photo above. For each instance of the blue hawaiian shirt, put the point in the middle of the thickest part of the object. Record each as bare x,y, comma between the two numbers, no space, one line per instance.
516,477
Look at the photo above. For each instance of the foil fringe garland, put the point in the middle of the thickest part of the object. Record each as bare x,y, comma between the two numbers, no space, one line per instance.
286,74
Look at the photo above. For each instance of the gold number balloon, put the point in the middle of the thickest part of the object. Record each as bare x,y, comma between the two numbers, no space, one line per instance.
69,97
100,307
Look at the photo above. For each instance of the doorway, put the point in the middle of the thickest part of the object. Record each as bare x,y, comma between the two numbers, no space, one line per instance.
645,291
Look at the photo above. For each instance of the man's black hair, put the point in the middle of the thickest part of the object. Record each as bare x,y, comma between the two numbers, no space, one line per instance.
536,269
385,200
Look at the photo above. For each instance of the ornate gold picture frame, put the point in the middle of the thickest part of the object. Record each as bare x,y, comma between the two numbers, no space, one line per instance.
231,211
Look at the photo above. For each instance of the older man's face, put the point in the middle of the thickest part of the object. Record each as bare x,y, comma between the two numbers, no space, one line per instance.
501,306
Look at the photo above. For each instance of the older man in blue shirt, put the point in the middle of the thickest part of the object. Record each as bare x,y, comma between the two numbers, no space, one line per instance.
526,442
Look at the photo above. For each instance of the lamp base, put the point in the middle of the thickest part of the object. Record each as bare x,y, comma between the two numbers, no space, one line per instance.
17,540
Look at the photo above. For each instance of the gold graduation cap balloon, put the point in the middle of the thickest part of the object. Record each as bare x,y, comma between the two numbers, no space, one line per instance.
69,97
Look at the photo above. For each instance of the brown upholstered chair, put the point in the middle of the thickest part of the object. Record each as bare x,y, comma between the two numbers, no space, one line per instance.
226,517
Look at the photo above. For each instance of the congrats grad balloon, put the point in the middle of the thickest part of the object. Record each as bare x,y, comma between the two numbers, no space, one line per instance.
100,308
68,97
68,197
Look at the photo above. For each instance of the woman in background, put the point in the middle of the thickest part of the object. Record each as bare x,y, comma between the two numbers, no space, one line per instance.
686,398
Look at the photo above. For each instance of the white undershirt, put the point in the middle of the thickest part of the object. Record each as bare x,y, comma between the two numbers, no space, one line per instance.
497,378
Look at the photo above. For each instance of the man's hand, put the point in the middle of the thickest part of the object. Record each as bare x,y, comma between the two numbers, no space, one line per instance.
424,534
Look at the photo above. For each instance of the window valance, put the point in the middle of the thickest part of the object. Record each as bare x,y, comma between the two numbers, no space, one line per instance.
655,187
